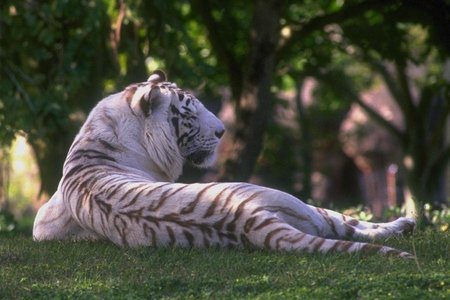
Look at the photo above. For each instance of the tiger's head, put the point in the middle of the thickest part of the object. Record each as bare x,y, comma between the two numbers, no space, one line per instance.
177,125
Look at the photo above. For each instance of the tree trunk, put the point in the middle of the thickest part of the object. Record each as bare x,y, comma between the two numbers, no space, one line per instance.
376,191
305,143
426,184
254,105
50,155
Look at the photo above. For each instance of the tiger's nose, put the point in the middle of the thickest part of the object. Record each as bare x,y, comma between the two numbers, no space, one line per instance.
219,133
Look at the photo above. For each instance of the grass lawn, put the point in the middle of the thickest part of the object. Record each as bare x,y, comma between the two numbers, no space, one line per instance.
88,270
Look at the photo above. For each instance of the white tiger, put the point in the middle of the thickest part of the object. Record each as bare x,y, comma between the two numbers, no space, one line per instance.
118,176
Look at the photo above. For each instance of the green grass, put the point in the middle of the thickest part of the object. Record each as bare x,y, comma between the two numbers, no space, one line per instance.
88,270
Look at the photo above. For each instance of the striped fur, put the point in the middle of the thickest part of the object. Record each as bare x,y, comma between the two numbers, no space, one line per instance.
118,184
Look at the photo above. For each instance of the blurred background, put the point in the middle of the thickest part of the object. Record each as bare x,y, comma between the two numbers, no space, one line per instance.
344,104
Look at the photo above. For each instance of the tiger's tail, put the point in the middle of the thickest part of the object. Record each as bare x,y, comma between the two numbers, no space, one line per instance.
287,238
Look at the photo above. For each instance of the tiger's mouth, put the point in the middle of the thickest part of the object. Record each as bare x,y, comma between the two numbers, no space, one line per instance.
199,157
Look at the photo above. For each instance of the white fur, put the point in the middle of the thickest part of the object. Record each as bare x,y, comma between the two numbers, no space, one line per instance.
137,151
146,147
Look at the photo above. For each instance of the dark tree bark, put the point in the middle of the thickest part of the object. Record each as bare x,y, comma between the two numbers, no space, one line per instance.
50,155
306,143
220,45
254,105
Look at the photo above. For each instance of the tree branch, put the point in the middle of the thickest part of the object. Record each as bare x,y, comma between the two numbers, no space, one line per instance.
406,97
375,116
402,96
21,90
335,81
389,80
319,22
220,46
116,30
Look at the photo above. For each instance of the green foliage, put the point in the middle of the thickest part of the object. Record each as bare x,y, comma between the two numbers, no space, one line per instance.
58,58
7,221
171,37
53,57
279,143
440,218
101,270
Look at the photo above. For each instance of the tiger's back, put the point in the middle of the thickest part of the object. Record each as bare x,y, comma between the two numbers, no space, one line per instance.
118,184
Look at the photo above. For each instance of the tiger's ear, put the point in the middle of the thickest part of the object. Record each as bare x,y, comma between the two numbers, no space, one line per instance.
157,76
148,101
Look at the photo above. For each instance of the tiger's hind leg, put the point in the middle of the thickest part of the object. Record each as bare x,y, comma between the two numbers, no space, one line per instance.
281,236
54,222
341,226
330,224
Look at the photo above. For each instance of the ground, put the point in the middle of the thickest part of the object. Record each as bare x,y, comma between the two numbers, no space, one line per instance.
91,270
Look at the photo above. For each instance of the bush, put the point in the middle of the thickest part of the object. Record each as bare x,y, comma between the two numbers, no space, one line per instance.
7,221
